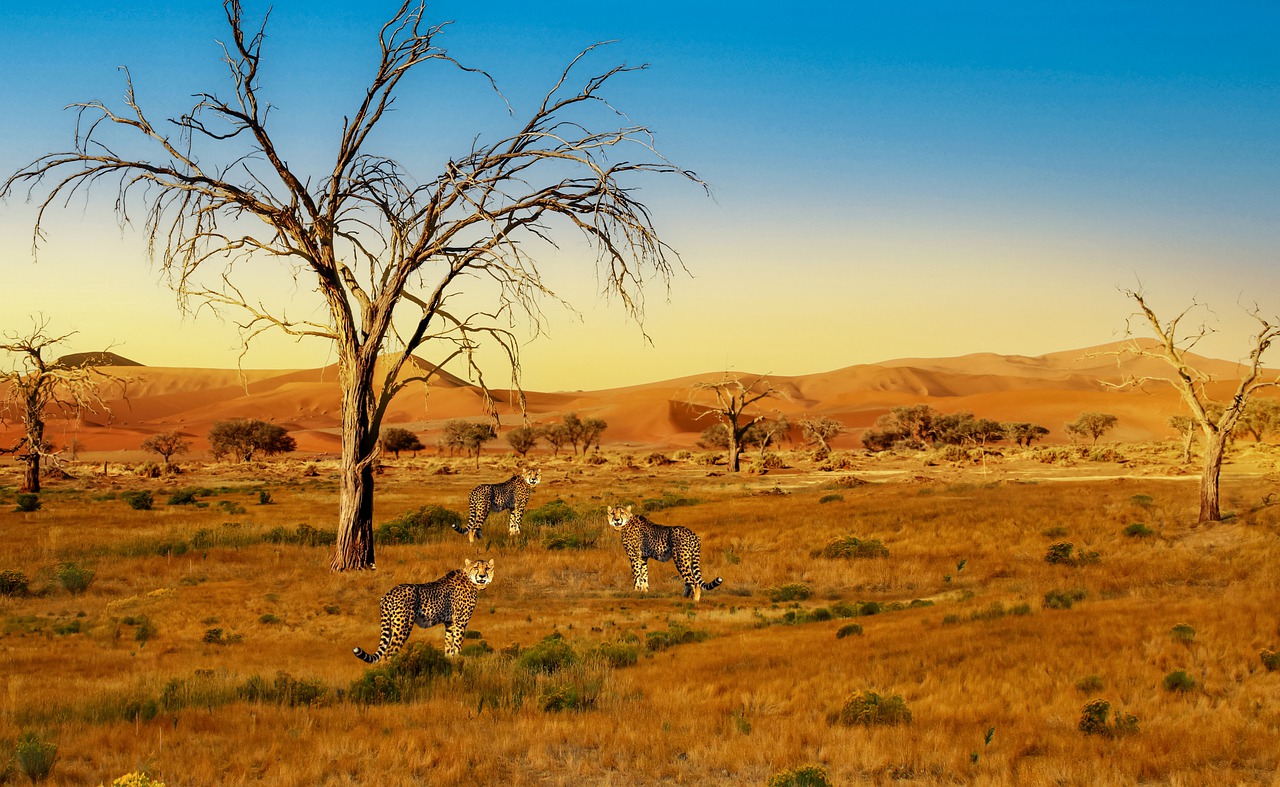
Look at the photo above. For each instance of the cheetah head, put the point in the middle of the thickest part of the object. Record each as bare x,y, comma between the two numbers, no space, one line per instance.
531,476
480,572
619,516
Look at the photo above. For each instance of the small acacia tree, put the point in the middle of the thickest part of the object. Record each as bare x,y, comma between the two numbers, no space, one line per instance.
523,439
1092,425
1186,429
1023,433
819,430
1173,346
167,444
396,439
218,191
242,438
35,386
732,397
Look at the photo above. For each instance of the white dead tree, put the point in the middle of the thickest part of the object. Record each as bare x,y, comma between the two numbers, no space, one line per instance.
386,252
1216,421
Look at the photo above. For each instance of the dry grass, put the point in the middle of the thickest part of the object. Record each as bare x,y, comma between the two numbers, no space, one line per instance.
978,650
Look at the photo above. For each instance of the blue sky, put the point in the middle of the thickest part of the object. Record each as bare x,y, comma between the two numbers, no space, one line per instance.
888,180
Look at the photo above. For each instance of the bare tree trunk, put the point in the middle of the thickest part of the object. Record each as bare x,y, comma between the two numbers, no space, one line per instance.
35,442
734,450
359,447
1214,450
1186,445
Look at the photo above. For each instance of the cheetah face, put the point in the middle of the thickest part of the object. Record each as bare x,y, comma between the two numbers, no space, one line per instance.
480,572
531,477
619,516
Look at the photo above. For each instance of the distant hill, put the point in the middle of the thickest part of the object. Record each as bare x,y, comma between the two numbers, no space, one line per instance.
95,359
1049,390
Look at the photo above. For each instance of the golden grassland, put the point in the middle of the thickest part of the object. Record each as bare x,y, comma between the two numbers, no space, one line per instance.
129,674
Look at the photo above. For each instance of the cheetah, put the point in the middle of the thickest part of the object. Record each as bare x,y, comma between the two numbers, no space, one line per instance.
644,540
510,495
449,600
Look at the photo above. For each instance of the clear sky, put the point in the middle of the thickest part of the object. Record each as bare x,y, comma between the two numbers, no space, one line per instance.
888,179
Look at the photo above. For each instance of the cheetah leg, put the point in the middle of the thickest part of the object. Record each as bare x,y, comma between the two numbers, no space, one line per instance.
453,631
689,572
401,625
513,524
640,570
476,519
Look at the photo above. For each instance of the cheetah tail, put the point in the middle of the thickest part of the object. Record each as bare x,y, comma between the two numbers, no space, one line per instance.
360,654
713,584
461,528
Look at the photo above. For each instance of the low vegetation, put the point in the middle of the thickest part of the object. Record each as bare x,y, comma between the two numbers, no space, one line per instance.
880,636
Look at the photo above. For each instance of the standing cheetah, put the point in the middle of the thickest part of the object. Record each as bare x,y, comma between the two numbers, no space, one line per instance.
510,495
449,600
644,540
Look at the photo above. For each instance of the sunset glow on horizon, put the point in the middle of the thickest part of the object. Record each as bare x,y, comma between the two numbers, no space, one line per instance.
886,181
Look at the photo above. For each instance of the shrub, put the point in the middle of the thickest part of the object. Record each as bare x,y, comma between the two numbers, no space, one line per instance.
75,579
1179,681
284,689
548,657
1183,632
668,500
138,500
1270,659
1090,683
616,654
804,776
1059,553
850,547
401,677
870,709
1093,721
1143,501
241,438
1138,530
417,526
796,591
570,540
302,535
550,514
35,756
674,635
264,498
13,583
1063,599
182,497
27,502
849,629
831,498
581,694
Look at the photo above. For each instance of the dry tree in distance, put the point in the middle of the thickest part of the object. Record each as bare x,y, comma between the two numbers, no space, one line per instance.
36,386
1173,346
731,398
390,254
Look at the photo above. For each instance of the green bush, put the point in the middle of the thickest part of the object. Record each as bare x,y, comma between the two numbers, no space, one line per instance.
1090,683
850,547
616,654
1063,599
182,497
138,500
673,636
401,677
550,514
667,500
804,776
1270,659
28,501
75,579
35,756
14,583
284,689
412,527
1138,530
795,591
1060,553
570,695
264,498
1093,721
848,630
302,535
871,709
1183,632
831,498
1179,682
548,657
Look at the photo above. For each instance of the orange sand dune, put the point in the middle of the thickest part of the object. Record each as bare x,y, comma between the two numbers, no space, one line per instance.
1049,390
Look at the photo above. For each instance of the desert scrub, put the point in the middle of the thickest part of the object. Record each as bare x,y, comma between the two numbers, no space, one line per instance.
302,535
1064,599
1138,530
831,498
138,500
870,709
28,501
284,689
615,654
674,635
668,500
849,630
35,756
1179,682
14,583
547,657
74,578
1061,554
1184,633
1270,659
795,591
400,678
1093,721
804,776
852,547
414,527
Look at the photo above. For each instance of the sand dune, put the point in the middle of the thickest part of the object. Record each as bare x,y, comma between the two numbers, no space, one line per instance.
1049,390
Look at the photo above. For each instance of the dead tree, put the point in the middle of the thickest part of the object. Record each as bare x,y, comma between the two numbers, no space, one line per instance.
386,251
732,398
38,387
1173,348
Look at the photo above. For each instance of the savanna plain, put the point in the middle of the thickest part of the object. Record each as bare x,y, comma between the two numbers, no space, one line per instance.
890,618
